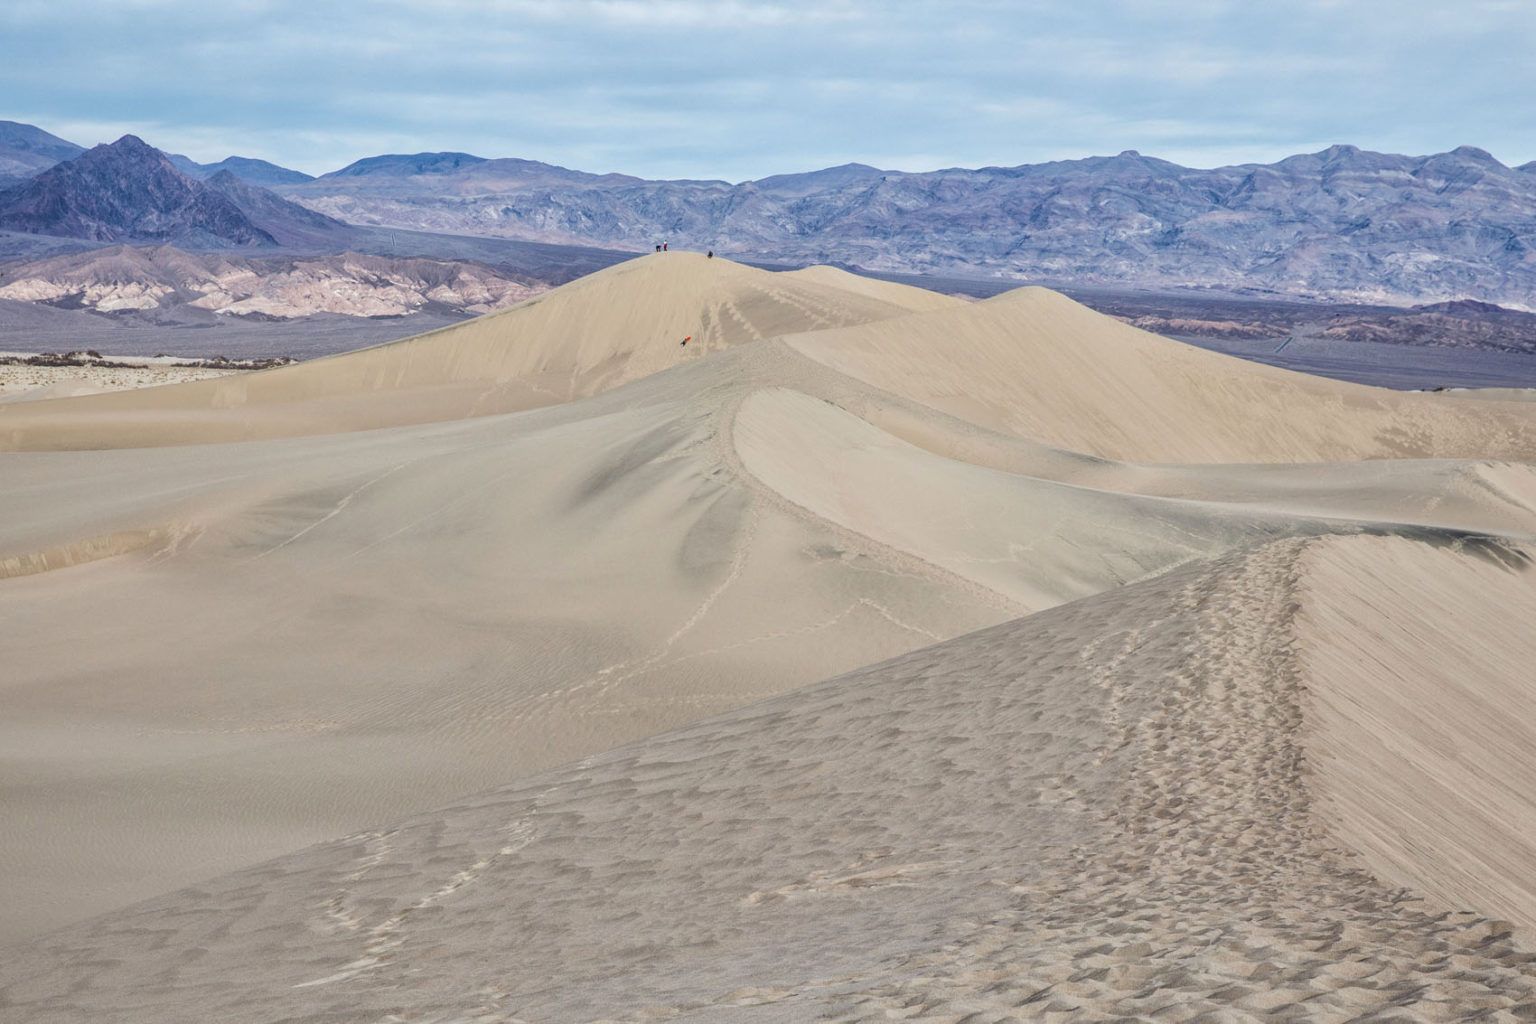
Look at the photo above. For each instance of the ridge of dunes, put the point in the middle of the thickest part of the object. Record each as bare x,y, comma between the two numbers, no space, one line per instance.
1108,809
601,331
1035,364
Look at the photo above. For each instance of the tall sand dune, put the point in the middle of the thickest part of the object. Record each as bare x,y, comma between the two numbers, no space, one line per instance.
601,331
1107,810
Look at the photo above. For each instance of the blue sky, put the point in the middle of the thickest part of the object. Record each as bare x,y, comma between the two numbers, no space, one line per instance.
737,89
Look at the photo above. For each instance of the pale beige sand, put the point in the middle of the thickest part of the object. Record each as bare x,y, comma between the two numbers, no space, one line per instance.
1056,531
1099,812
303,637
21,383
915,300
216,653
1497,394
1034,363
1424,757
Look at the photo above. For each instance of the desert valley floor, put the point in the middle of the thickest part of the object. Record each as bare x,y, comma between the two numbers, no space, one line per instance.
875,655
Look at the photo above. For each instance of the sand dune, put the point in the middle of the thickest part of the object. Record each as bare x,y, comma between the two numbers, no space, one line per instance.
1099,811
615,326
443,565
1034,363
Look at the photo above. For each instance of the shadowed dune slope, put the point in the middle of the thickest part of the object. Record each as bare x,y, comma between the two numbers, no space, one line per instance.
1107,810
601,331
1036,364
1425,746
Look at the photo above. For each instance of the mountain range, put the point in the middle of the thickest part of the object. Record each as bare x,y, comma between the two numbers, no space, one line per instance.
130,191
25,150
257,172
1340,224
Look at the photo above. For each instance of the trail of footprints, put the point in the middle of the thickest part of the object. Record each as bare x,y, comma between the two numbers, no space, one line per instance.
1024,824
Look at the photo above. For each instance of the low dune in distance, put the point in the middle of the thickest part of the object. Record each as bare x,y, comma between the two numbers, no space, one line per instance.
1241,732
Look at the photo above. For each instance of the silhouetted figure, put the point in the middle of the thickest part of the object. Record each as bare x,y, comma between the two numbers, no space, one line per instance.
663,246
710,255
658,247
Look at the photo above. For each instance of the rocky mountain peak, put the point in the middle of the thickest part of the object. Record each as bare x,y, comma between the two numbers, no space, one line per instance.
1476,155
126,191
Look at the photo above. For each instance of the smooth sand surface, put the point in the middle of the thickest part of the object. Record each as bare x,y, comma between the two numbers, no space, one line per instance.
1101,811
467,559
1034,363
1423,759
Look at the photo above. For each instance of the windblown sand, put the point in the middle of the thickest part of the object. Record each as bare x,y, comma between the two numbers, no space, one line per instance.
1245,735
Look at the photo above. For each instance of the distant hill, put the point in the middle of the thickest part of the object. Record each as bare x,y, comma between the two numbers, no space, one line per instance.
407,164
25,150
129,191
257,172
287,222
